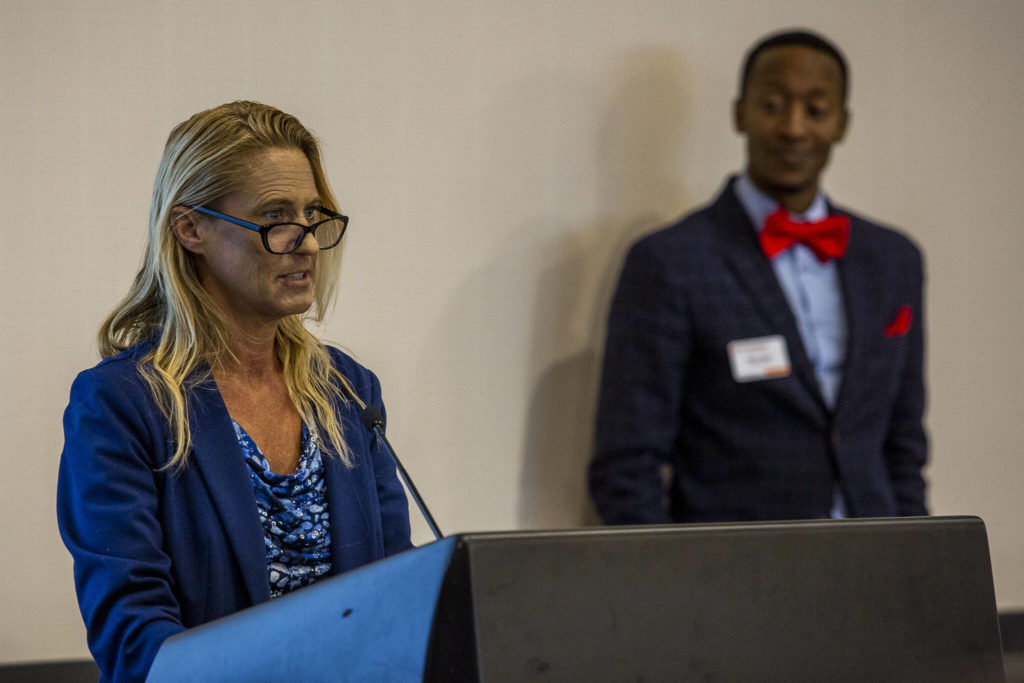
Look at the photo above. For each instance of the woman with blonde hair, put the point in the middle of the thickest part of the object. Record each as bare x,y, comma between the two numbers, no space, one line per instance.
214,459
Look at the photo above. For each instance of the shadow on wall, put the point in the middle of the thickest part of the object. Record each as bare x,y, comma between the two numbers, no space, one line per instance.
640,189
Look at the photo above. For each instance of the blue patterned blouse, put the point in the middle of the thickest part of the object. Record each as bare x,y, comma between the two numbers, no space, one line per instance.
293,509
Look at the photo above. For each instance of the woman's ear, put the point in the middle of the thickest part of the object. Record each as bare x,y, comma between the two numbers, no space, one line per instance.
185,226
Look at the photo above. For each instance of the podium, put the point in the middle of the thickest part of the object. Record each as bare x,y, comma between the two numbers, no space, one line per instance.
847,600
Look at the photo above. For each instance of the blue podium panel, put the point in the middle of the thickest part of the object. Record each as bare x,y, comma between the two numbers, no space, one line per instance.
371,624
851,600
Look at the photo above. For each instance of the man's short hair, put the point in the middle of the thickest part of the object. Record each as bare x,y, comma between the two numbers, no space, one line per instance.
797,37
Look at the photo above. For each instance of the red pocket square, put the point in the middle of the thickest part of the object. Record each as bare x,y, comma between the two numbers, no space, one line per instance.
900,325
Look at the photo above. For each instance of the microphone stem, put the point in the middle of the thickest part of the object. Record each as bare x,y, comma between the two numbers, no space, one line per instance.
408,483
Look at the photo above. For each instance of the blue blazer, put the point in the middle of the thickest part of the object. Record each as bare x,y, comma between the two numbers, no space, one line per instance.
767,449
158,551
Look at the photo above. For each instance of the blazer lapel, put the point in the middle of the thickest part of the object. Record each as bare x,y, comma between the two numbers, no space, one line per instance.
862,294
350,523
218,458
754,272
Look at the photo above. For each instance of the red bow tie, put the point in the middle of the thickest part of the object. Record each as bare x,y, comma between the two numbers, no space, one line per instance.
827,238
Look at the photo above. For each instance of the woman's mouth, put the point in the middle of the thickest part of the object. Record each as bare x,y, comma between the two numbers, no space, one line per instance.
297,277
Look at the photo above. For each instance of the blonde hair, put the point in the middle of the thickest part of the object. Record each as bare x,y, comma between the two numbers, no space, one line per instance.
205,158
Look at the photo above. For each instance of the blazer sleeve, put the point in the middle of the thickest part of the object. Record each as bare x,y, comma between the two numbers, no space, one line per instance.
393,504
107,512
906,444
646,353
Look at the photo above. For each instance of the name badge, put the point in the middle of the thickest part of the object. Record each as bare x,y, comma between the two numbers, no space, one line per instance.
758,358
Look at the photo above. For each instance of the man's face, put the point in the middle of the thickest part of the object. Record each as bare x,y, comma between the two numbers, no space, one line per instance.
792,112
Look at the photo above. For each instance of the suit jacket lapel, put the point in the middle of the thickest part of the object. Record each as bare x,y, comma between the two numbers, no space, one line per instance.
349,540
218,458
755,274
862,294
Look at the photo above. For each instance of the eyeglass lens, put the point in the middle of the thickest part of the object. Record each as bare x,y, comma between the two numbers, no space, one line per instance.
286,237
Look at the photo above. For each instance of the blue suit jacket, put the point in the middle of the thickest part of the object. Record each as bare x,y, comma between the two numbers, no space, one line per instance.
767,449
156,552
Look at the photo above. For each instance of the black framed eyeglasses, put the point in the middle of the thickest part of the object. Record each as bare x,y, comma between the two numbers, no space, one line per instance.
328,227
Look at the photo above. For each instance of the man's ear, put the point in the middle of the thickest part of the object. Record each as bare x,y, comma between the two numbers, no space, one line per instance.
185,226
844,124
737,116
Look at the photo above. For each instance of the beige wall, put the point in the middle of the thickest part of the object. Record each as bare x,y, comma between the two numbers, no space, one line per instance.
496,157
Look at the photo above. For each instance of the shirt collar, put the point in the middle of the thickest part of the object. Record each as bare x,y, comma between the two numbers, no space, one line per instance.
759,206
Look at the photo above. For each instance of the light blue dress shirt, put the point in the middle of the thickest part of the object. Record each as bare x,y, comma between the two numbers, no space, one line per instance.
814,294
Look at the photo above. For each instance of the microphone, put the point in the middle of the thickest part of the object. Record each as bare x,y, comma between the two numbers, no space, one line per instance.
374,421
